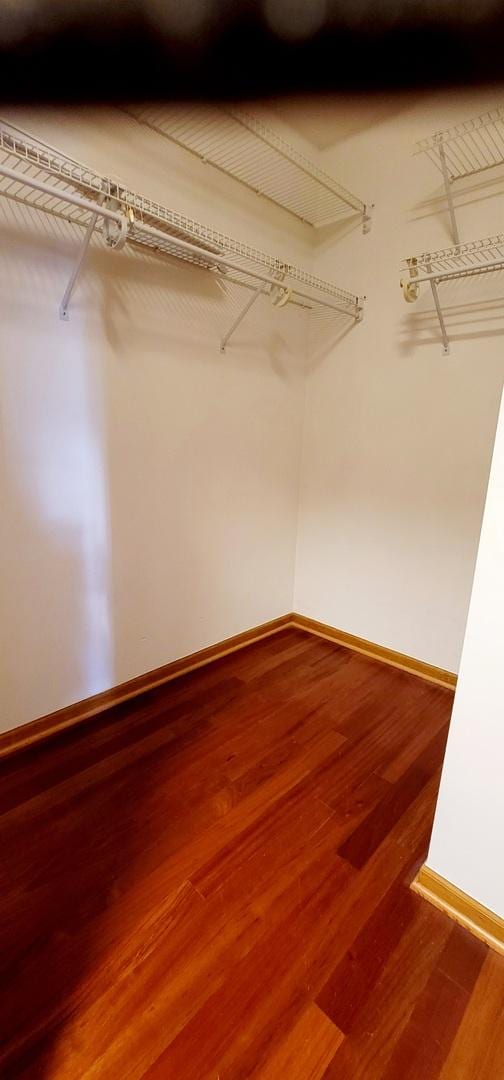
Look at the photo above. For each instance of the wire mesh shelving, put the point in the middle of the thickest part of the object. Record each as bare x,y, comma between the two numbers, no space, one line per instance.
468,260
466,149
240,144
45,179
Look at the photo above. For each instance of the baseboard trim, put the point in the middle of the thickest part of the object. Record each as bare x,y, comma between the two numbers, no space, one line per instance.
377,652
482,922
45,726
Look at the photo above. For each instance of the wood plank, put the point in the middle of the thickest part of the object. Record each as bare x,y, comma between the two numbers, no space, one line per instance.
353,981
426,1040
265,987
358,847
477,1052
306,1051
366,1051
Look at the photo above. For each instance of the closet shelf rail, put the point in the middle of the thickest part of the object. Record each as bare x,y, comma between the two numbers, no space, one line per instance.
466,149
450,264
241,145
41,177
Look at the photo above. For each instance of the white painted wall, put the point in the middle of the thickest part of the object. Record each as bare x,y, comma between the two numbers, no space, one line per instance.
466,841
148,484
397,437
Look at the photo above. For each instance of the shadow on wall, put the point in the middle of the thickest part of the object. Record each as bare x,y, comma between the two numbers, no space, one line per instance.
465,192
56,604
314,117
338,230
422,327
40,254
324,334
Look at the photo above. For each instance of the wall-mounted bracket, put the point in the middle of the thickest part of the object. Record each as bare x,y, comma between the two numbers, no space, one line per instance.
63,308
115,232
448,189
444,335
367,218
435,296
251,300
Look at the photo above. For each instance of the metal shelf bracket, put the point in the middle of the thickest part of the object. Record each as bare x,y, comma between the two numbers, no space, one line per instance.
444,335
448,189
67,295
367,218
251,300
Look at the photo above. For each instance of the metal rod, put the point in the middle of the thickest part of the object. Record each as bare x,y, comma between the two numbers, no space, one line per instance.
251,300
63,310
468,271
175,242
220,260
64,196
446,178
23,135
444,335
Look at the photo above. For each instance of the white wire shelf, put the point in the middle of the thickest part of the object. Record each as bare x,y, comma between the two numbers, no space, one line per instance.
41,177
241,145
466,149
470,147
468,260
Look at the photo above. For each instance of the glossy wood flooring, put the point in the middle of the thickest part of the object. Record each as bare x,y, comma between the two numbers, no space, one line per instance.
212,882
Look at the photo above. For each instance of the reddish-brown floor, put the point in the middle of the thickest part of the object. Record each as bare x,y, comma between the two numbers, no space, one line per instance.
212,882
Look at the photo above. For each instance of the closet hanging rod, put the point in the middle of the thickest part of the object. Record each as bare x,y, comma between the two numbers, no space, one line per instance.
44,179
451,264
133,230
228,264
33,158
75,200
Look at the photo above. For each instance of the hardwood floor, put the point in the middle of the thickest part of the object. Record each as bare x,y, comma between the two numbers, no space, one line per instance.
211,883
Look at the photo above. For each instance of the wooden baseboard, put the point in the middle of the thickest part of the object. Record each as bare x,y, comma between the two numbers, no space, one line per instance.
377,652
42,728
482,922
27,734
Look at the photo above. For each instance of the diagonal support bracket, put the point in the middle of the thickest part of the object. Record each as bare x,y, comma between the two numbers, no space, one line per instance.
449,196
251,300
63,309
444,335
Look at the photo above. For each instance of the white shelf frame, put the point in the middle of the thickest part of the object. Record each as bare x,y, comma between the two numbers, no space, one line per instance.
241,145
467,149
450,264
40,176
